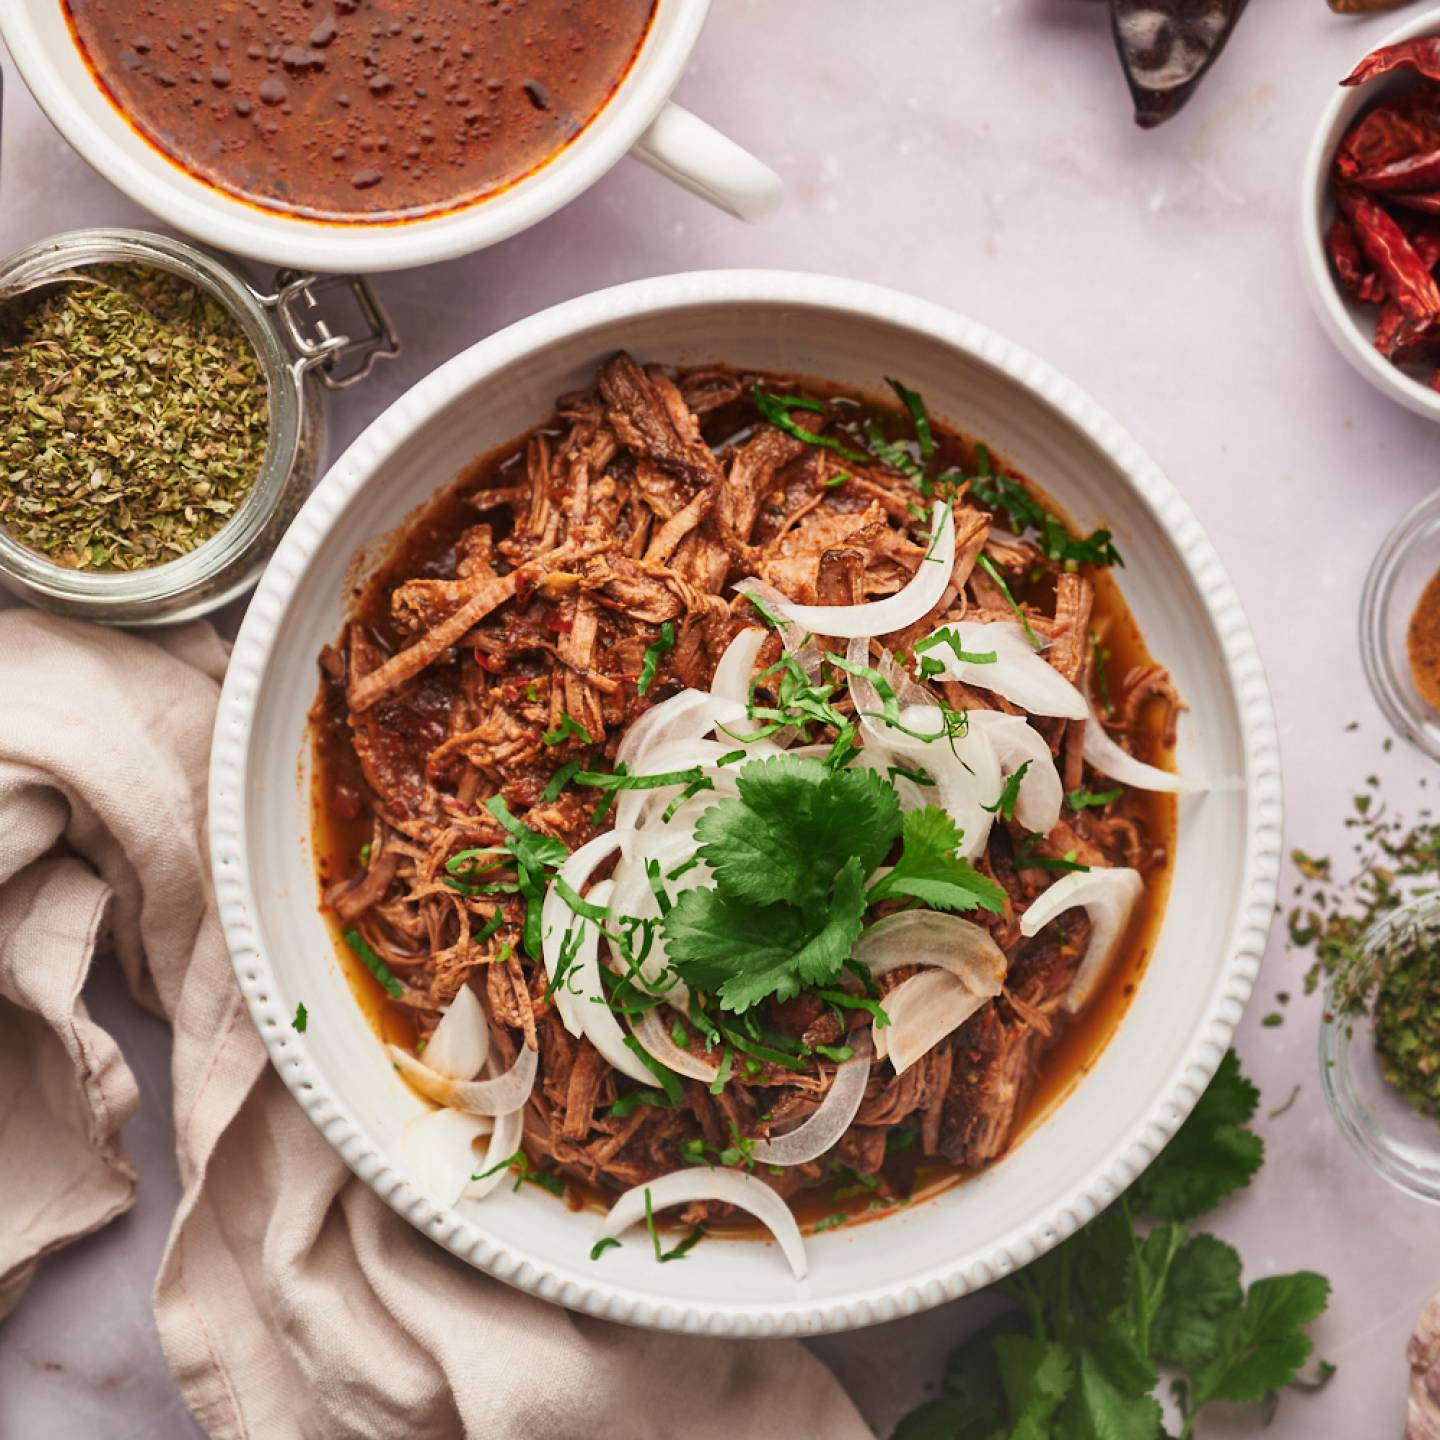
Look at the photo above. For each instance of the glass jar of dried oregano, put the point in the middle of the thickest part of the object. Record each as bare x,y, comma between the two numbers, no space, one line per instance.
160,420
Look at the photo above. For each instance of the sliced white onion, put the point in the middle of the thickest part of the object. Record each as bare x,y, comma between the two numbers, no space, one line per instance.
1018,672
923,1010
1108,897
795,638
964,767
636,808
737,666
729,1187
585,988
933,938
475,1097
438,1149
1104,755
557,919
686,716
634,897
1015,741
504,1142
652,1032
461,1042
820,1133
913,601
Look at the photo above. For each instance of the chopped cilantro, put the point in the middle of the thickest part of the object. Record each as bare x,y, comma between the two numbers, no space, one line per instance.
601,1246
301,1020
559,780
567,727
918,415
374,964
1082,799
776,409
680,1250
988,566
1004,806
654,653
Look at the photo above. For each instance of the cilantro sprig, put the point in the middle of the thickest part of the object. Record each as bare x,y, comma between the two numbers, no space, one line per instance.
1028,516
791,855
1097,1319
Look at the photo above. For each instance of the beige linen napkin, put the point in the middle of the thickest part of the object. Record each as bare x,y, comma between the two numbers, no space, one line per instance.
290,1302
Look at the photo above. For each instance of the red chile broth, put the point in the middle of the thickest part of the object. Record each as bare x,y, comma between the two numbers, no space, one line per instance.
424,546
360,110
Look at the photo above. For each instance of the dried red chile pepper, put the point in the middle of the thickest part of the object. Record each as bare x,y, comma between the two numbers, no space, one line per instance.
1386,183
1166,46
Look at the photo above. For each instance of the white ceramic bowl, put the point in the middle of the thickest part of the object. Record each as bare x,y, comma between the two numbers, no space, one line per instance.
1118,1116
1352,326
638,119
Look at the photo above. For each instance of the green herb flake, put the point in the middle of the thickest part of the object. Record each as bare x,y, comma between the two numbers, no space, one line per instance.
1083,799
301,1020
601,1246
654,653
776,409
374,964
988,566
568,727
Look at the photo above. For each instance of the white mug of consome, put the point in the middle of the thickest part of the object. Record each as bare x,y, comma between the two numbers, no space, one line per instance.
370,135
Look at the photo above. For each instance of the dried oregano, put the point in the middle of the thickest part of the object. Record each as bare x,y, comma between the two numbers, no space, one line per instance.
133,421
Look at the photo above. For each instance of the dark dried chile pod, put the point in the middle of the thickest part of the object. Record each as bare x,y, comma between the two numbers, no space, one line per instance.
1166,46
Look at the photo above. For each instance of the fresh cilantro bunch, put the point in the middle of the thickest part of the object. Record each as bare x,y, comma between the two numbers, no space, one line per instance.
791,855
1098,1317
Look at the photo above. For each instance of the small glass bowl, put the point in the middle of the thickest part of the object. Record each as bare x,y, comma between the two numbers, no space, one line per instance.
1404,566
296,355
1396,1139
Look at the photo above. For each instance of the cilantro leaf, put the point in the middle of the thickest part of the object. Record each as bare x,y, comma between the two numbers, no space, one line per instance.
930,870
1263,1343
301,1020
1211,1155
746,953
1097,1409
1036,1376
793,827
939,1419
1204,1283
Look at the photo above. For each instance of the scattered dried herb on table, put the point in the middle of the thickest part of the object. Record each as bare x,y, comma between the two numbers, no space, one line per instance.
1399,986
133,421
1395,861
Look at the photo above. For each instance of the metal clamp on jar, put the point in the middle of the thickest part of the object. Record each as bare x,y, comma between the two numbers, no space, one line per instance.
297,354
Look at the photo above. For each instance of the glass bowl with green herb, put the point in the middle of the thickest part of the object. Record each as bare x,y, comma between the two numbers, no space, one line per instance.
1380,1047
157,429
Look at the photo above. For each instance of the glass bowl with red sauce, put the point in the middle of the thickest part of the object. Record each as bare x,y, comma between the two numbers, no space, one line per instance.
1400,627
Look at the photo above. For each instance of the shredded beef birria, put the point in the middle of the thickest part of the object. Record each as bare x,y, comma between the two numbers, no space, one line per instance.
640,503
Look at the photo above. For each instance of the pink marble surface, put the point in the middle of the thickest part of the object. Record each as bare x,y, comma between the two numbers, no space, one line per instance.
980,155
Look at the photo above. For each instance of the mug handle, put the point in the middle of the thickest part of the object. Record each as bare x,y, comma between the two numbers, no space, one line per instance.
683,148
